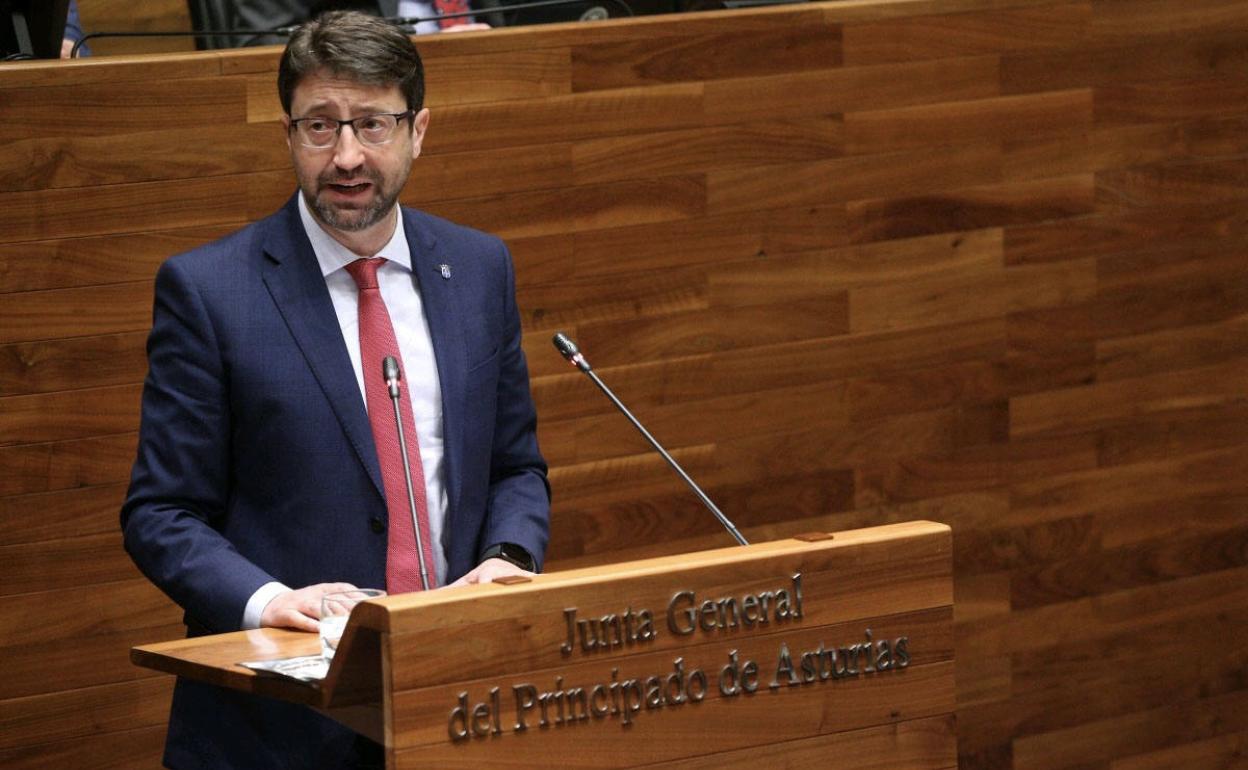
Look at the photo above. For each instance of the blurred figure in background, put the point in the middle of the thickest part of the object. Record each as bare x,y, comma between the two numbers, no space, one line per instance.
73,33
271,14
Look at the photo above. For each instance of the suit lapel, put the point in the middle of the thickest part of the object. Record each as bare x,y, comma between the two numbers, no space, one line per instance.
445,327
294,280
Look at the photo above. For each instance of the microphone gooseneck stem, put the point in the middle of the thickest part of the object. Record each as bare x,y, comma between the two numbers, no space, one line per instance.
574,356
390,370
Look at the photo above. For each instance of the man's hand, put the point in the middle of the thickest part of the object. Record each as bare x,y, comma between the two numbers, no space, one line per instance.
299,609
488,571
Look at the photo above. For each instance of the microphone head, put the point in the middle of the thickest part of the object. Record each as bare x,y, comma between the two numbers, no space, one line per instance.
564,344
568,349
390,369
391,374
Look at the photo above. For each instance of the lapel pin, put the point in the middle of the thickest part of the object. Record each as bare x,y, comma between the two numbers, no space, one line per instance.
446,271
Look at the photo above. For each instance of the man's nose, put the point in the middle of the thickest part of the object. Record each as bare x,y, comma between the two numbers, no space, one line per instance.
348,152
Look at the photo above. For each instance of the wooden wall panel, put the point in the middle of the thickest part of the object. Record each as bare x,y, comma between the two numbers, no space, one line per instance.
976,261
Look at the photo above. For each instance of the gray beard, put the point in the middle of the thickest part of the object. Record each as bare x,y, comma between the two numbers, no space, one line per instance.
351,220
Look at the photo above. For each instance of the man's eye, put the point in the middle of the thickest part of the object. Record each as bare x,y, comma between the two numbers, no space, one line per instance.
318,126
373,124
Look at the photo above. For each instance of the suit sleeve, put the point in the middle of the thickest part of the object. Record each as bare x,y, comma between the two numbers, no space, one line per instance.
180,483
519,497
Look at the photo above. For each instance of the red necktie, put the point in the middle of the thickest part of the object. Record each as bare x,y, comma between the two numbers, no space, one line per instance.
444,7
377,341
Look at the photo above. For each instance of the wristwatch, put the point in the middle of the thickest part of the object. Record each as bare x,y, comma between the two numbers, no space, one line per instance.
510,552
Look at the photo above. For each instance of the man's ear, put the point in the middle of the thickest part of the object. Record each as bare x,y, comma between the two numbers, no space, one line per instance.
286,126
420,124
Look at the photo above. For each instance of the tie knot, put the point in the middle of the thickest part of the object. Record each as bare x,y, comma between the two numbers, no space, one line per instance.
364,271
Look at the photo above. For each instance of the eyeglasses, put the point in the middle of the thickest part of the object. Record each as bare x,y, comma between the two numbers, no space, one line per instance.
371,130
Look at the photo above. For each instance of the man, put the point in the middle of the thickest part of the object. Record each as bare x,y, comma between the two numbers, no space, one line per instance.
262,480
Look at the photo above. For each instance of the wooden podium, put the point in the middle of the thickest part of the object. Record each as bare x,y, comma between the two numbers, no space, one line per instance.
814,652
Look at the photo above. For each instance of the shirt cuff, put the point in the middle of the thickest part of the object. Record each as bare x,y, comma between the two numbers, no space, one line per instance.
258,601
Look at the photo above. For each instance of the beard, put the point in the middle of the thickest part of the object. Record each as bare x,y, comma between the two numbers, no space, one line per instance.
353,218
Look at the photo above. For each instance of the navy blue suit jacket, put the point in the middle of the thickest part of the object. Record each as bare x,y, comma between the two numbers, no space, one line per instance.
256,461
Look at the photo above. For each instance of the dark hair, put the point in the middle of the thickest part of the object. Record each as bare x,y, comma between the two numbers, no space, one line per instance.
354,46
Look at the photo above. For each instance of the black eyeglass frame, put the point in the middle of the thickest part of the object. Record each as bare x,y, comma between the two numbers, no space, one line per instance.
399,117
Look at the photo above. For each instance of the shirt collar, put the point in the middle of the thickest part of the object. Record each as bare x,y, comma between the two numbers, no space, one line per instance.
332,255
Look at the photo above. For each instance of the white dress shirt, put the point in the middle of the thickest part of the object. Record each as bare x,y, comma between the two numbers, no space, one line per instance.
420,371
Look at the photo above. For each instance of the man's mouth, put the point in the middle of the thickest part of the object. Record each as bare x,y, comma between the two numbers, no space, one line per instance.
350,189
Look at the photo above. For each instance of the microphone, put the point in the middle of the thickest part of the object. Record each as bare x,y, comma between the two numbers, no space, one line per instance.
390,371
568,349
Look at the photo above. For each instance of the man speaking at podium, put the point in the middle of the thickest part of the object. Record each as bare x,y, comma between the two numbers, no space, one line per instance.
269,468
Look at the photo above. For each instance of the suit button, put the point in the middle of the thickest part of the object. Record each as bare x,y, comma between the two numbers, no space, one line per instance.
377,525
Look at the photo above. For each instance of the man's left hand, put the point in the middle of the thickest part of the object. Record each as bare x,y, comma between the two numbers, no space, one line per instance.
490,570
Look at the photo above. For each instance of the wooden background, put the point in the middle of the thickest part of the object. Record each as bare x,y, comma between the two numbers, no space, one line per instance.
976,261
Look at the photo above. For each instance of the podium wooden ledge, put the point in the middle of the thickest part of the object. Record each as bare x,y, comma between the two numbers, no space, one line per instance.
802,649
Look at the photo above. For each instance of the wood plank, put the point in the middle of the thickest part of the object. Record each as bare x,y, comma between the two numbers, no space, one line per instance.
1102,570
564,118
971,208
1119,233
57,515
118,750
1163,185
492,172
714,330
1132,59
919,744
575,209
108,108
1136,732
1211,473
1001,118
41,162
74,714
48,616
78,362
123,208
77,312
678,152
642,521
1184,430
807,275
1141,680
701,57
1186,347
1167,100
61,465
82,661
68,415
1101,404
1223,751
712,420
1120,615
964,298
707,239
53,565
1049,349
1125,21
849,178
845,89
93,260
988,31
